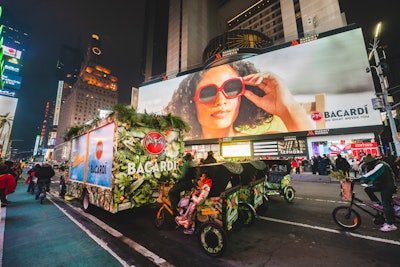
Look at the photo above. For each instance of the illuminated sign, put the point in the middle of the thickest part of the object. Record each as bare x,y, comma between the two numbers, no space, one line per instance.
308,74
12,81
236,149
8,106
11,67
7,92
11,52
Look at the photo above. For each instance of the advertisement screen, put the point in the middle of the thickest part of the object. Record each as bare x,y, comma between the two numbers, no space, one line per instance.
100,156
8,106
322,84
78,158
12,81
11,67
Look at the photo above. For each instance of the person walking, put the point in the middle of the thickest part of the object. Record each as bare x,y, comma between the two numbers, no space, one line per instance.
32,172
7,184
342,165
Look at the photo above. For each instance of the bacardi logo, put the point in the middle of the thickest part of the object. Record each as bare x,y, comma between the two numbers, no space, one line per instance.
154,143
316,116
99,149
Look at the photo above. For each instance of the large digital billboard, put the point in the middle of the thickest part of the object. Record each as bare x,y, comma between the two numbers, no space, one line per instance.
322,84
8,106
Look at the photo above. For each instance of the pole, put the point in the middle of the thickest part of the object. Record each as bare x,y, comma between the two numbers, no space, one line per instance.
384,86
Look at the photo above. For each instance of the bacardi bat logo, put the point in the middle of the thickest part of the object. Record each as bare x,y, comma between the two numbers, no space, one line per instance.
99,149
154,143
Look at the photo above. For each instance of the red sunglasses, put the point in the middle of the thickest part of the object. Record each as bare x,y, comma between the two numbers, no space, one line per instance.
231,88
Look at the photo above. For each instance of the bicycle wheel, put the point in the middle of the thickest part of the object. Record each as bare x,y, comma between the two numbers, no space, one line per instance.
289,193
213,239
346,217
246,214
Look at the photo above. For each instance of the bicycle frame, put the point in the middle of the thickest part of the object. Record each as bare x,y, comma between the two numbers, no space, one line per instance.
355,201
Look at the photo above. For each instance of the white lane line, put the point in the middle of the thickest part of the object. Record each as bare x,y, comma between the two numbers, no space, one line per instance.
377,239
2,227
132,244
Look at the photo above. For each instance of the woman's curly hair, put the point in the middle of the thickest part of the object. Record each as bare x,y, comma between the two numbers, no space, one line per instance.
183,105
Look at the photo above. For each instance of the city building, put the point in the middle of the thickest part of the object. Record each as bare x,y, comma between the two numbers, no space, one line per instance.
95,89
192,24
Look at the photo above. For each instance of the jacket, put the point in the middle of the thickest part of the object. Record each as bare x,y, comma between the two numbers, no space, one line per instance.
381,176
45,173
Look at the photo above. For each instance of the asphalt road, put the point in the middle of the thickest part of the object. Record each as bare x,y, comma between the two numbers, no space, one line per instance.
301,233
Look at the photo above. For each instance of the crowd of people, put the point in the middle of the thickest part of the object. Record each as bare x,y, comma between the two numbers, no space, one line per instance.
11,172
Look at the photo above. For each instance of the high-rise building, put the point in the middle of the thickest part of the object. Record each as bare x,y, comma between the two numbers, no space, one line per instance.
193,23
14,42
94,90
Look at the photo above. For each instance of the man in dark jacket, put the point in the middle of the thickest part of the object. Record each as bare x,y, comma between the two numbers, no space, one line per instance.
44,175
382,178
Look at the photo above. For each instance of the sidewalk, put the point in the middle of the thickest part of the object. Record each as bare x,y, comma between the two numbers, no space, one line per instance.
309,177
32,234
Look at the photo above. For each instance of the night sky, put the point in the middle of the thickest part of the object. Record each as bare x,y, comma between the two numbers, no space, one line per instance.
120,27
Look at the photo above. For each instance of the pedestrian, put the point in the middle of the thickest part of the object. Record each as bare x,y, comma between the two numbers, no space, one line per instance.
198,197
295,165
43,175
342,165
32,172
62,186
323,165
7,184
183,182
210,158
383,180
314,164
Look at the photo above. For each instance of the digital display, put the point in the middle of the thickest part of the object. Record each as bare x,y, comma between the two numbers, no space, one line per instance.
317,85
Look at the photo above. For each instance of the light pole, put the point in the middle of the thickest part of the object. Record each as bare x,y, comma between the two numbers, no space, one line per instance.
384,86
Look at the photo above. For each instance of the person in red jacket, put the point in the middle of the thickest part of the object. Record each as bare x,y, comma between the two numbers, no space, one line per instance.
7,184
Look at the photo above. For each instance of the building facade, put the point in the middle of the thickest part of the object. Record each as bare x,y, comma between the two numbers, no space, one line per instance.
95,89
193,23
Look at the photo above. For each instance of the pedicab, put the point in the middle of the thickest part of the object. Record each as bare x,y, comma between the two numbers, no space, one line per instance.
218,215
278,179
252,198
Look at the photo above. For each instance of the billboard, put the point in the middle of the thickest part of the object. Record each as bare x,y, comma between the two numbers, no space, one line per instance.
322,84
11,52
8,107
12,81
11,67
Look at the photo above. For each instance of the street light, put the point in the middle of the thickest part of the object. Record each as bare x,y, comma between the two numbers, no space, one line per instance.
384,86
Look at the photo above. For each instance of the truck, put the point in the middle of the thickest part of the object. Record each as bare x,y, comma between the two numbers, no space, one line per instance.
116,163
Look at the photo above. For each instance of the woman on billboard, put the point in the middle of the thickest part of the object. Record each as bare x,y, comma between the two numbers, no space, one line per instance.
235,99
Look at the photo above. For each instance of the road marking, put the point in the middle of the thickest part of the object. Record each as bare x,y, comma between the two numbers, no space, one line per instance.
377,239
132,244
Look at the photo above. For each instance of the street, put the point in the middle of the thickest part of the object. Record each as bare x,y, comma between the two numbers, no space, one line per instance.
302,233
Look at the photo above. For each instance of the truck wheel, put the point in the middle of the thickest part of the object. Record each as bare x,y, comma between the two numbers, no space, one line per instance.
86,206
213,239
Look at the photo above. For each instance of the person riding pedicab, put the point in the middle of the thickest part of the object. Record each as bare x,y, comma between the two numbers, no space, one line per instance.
198,197
183,182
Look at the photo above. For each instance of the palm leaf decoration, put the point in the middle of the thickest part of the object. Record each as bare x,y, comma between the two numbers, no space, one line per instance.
73,131
127,115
